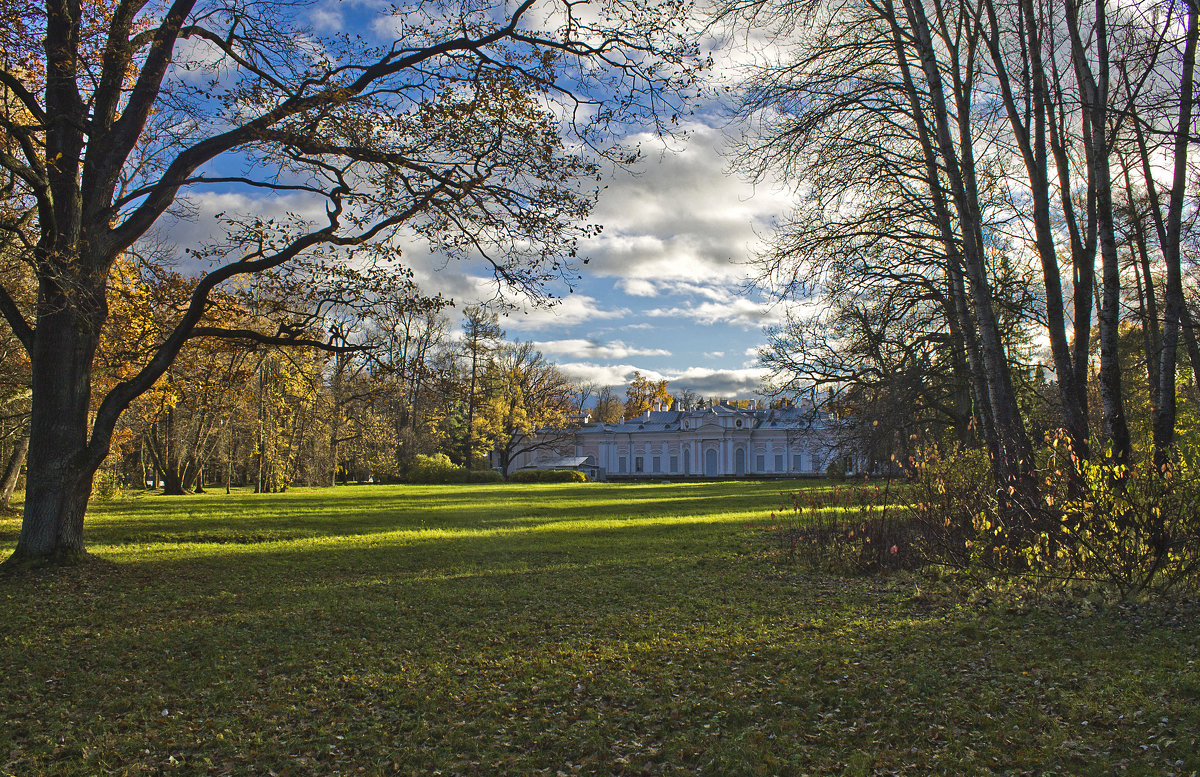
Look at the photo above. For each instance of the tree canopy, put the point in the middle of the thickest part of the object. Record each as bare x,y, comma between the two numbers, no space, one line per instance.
116,114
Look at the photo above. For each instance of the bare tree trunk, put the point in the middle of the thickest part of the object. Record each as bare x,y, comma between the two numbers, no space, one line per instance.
1174,313
1032,142
954,264
1013,454
1147,297
12,472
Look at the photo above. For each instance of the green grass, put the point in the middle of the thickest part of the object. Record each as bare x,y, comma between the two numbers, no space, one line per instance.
552,629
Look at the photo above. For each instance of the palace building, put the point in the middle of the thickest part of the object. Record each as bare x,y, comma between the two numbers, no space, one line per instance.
711,442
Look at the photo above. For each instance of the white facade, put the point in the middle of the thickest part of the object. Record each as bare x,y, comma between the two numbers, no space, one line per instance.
712,442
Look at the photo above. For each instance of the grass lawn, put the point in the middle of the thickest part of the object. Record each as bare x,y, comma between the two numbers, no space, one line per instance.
552,629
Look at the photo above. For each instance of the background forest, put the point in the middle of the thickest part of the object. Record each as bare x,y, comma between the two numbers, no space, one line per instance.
417,382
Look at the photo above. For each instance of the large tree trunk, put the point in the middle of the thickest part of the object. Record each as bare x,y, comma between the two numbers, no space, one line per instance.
61,468
1030,130
960,311
12,472
173,484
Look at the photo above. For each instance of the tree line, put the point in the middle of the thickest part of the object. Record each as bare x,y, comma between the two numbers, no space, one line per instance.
996,208
982,182
234,412
241,413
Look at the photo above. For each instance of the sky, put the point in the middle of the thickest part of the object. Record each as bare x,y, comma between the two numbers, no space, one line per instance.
664,291
665,288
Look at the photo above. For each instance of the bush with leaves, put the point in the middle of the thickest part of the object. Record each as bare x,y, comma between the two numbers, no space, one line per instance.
1130,527
483,476
836,470
846,529
951,503
438,469
108,485
434,469
548,476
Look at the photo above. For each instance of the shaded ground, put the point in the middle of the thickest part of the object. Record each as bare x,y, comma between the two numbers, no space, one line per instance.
552,629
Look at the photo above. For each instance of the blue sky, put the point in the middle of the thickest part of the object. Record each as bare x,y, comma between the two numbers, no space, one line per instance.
664,288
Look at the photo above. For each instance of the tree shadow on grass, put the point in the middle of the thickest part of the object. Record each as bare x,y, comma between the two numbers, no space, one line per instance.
511,644
630,650
243,519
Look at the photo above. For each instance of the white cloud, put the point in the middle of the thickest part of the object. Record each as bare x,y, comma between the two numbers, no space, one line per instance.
586,349
638,287
615,375
706,382
740,383
571,310
681,217
327,19
738,312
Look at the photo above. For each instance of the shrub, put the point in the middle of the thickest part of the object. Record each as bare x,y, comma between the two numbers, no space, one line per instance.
548,476
434,469
846,529
1131,527
951,501
438,469
107,484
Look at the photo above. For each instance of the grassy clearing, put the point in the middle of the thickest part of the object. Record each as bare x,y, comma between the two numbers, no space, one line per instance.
552,629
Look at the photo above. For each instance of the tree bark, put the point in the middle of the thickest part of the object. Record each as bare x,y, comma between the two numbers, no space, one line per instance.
12,473
60,467
1174,312
1094,95
961,312
1032,143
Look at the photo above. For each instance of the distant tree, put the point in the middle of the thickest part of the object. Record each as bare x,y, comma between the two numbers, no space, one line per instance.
609,408
414,343
644,394
583,394
531,408
686,400
481,338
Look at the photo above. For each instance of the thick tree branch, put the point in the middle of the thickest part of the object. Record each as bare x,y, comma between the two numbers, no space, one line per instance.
16,321
264,339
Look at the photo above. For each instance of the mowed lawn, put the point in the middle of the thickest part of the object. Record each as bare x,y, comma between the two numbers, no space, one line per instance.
557,630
